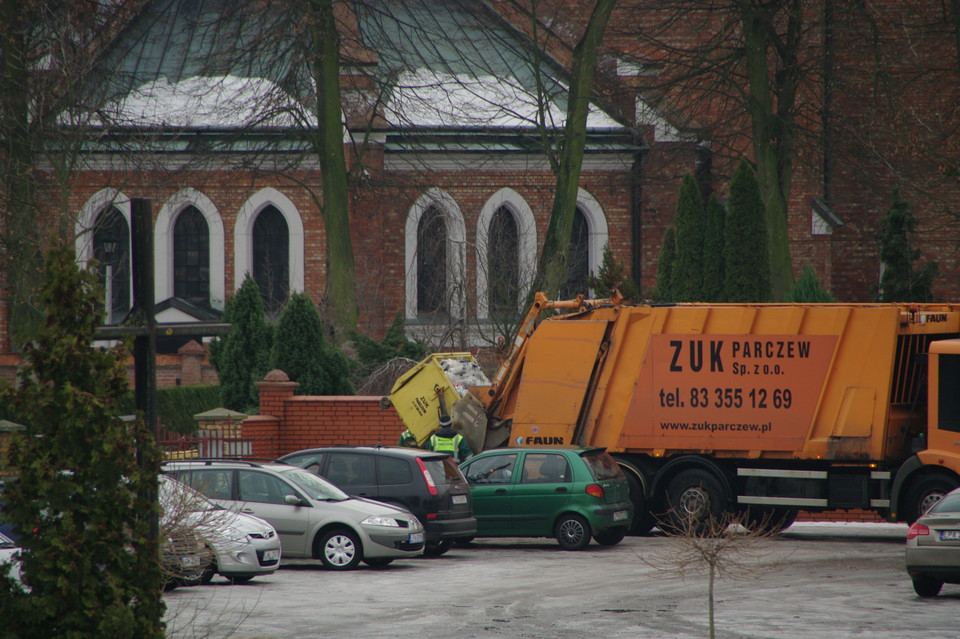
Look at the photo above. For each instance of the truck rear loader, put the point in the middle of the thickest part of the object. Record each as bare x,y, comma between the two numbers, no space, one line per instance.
750,410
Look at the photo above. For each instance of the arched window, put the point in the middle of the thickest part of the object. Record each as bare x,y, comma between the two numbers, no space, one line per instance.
432,263
503,263
271,258
191,257
578,259
111,247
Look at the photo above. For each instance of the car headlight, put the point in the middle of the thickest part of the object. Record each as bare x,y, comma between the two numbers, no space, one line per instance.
380,520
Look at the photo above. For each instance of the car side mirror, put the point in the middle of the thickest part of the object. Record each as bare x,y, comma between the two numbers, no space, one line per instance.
293,500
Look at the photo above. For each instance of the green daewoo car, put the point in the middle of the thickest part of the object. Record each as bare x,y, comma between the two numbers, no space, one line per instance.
571,494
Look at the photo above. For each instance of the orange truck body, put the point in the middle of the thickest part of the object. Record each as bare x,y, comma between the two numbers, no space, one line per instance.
790,406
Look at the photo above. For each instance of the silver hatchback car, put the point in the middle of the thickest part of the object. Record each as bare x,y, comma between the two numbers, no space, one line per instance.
933,547
313,518
241,546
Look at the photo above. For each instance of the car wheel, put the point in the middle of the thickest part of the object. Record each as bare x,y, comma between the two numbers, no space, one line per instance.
610,537
695,502
240,579
207,575
340,550
437,548
927,491
378,562
927,586
572,532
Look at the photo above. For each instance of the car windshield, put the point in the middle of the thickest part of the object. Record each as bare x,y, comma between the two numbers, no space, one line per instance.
949,504
602,465
316,487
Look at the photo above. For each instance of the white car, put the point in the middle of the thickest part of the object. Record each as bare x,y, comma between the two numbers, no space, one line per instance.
241,546
10,554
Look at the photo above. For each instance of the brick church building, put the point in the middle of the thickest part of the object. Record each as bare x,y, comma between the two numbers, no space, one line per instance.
205,110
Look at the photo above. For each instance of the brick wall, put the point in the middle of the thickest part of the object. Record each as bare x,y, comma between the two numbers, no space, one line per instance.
308,421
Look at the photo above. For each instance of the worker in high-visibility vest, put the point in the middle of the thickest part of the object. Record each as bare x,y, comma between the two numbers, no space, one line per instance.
447,440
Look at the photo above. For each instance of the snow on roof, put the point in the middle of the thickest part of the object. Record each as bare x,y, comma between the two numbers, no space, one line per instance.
210,102
425,98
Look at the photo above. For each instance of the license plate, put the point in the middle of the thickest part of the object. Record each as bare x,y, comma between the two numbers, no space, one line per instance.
271,555
416,538
620,515
459,499
947,535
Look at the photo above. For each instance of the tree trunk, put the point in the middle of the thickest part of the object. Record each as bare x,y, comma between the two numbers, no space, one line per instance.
552,267
774,129
341,290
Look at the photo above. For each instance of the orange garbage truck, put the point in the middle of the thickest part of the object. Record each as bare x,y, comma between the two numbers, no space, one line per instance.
748,410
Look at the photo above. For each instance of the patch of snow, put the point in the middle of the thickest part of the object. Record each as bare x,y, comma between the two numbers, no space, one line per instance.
210,102
425,98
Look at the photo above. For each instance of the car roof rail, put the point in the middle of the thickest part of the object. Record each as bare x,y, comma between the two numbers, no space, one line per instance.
209,461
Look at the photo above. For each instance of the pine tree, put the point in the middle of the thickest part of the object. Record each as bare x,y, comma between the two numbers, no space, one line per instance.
611,277
302,352
242,356
746,251
665,263
688,268
713,255
900,282
807,289
86,502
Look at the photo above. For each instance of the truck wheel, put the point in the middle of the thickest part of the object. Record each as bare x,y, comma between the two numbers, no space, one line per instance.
767,520
643,521
610,537
695,502
925,492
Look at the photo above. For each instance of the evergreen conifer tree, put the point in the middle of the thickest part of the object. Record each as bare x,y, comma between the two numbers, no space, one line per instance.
302,352
610,277
242,356
687,274
807,289
746,250
82,498
713,255
665,263
899,281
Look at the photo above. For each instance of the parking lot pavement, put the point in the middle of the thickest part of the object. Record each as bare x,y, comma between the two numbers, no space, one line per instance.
828,581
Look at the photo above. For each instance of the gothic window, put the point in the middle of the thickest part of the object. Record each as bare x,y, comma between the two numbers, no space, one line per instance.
503,263
191,257
271,258
578,259
432,263
111,247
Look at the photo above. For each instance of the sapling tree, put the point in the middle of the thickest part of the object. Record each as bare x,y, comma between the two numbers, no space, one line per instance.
717,547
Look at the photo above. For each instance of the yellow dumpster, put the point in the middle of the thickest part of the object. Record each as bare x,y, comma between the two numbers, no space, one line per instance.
433,386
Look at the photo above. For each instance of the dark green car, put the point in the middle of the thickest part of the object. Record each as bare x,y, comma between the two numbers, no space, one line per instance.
571,494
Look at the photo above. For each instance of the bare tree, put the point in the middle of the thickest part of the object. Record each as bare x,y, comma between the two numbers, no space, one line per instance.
746,79
721,548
